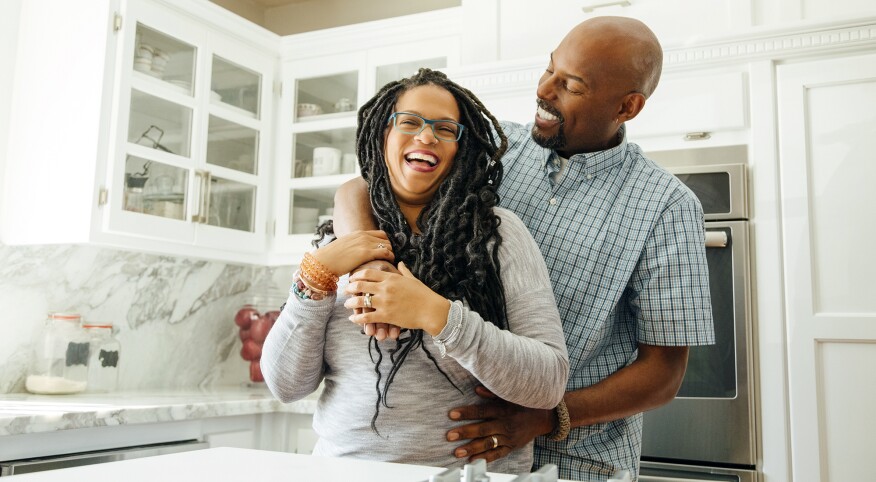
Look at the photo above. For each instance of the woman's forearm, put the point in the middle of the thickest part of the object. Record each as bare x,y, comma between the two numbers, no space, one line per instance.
352,211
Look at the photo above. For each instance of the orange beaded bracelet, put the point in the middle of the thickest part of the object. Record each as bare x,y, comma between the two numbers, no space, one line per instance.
318,274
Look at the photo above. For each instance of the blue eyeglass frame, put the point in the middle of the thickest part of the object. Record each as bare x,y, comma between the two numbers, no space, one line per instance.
427,122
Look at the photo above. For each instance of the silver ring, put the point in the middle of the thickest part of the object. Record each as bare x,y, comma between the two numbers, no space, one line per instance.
495,441
368,300
381,246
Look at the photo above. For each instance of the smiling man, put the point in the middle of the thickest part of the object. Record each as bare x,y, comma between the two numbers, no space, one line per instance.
623,240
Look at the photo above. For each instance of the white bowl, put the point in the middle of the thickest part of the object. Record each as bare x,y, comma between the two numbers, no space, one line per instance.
305,110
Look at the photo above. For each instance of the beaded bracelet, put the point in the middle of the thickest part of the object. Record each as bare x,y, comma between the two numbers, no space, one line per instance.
305,291
318,274
564,424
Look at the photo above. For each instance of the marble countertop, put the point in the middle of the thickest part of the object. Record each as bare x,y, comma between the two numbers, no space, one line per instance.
22,413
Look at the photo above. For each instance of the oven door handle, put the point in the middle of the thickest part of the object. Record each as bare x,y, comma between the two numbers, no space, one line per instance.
716,239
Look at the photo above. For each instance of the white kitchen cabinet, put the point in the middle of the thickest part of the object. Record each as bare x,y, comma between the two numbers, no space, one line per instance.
825,154
323,91
143,126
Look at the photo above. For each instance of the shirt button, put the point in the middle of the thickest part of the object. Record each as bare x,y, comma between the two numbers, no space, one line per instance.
589,176
553,201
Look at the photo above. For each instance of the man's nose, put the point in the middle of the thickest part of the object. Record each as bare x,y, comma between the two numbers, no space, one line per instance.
546,86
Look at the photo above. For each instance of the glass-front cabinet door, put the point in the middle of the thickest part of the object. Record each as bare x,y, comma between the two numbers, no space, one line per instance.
193,163
321,114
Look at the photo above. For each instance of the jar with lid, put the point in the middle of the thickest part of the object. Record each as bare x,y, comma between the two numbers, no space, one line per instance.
103,362
60,356
254,320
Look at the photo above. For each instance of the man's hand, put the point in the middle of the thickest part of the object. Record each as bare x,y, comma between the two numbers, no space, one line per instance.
381,331
513,426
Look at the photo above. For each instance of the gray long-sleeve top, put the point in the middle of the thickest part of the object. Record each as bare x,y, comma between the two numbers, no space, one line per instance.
527,364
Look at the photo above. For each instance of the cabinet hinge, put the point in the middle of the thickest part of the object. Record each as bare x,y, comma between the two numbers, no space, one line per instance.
272,227
117,22
278,88
102,196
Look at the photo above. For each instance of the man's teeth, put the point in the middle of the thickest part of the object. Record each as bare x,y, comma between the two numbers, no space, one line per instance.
546,115
416,156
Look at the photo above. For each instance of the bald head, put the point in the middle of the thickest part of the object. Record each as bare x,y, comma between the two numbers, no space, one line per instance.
629,51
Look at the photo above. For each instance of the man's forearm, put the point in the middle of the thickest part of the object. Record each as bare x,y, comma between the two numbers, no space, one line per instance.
352,211
647,383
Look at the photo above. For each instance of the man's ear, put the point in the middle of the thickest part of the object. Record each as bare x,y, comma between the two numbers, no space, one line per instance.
632,104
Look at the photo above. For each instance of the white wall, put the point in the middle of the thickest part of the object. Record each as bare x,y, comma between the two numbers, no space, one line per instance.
9,12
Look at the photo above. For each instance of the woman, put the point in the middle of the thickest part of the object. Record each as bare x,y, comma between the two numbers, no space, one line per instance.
473,296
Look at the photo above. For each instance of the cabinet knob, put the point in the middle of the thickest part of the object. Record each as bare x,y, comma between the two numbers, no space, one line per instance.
593,5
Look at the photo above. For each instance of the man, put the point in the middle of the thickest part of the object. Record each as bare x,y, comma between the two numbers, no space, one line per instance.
624,244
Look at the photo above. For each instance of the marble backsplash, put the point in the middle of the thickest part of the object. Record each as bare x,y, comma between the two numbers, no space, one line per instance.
173,316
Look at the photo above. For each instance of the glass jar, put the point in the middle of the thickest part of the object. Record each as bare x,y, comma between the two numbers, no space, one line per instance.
103,363
60,356
254,320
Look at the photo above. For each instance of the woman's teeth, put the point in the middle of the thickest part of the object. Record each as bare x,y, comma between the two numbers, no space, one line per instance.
546,115
417,156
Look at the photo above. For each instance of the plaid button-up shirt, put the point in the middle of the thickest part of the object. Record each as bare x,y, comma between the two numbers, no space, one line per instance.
623,240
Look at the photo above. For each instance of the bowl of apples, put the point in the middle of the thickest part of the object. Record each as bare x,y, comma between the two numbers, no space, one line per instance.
254,321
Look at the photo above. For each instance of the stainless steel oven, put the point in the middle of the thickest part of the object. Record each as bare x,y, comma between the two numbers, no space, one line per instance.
709,430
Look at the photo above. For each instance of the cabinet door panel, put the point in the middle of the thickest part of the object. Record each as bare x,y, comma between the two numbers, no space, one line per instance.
826,175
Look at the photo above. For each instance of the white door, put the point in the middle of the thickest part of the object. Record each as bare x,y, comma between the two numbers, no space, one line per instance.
827,144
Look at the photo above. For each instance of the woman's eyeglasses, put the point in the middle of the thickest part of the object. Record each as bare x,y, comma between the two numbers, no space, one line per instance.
412,124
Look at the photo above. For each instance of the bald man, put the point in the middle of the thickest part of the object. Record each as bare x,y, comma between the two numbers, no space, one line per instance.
624,243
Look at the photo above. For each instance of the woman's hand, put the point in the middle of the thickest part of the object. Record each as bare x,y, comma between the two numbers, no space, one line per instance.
347,252
399,299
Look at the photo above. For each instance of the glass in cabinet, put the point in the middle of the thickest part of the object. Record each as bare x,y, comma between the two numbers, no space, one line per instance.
194,164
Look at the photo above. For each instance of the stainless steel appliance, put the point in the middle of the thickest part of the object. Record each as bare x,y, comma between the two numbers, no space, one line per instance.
709,431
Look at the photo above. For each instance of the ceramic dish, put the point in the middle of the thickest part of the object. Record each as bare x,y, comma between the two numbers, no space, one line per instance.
305,110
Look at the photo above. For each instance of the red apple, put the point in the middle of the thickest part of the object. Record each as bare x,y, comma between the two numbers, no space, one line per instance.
259,329
272,315
245,335
251,350
255,371
245,316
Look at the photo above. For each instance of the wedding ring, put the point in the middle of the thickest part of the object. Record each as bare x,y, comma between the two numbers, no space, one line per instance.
368,300
495,441
381,246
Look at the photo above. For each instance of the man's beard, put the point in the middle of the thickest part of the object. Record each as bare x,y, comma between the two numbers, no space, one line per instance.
555,142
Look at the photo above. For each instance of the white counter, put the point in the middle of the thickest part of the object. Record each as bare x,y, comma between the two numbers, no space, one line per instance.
238,465
25,413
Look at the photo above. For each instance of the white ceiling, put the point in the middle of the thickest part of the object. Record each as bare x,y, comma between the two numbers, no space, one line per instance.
286,17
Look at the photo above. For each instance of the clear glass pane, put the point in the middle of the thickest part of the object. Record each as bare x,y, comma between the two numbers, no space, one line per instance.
165,57
155,188
232,145
325,153
232,204
325,95
389,73
235,85
309,208
160,124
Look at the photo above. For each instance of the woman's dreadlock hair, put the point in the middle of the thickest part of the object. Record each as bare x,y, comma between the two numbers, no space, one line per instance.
456,254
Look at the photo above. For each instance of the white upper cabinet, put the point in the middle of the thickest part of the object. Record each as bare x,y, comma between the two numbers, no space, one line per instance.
143,126
326,77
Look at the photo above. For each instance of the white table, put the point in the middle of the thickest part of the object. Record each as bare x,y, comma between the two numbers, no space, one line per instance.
242,465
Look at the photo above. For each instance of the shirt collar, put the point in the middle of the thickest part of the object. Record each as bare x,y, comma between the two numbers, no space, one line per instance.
593,161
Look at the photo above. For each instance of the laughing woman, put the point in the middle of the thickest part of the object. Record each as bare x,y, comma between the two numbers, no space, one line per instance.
473,297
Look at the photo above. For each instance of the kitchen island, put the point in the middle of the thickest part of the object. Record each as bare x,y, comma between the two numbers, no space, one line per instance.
235,465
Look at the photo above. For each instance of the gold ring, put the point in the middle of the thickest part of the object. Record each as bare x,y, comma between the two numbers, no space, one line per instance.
381,246
368,300
495,441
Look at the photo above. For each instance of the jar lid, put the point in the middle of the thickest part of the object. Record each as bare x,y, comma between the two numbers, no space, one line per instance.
97,324
65,316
